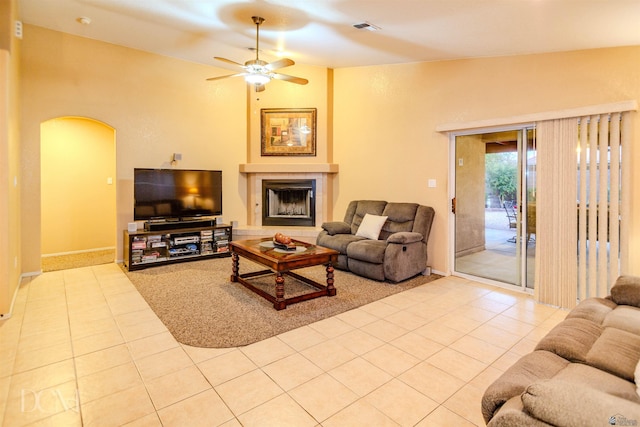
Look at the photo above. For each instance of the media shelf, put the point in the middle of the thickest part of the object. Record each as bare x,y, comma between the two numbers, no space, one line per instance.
144,249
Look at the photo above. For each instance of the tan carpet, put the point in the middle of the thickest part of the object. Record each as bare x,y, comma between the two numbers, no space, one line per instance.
201,307
77,260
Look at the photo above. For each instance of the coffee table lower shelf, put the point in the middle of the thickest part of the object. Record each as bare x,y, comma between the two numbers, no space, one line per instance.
279,301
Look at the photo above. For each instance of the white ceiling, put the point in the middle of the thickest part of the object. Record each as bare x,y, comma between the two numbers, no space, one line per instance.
321,32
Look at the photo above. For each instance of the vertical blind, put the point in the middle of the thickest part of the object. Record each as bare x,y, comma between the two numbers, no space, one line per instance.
556,227
581,206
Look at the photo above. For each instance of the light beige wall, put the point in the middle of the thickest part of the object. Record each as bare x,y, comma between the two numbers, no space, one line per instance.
10,180
279,94
316,94
5,187
385,119
157,105
380,121
78,162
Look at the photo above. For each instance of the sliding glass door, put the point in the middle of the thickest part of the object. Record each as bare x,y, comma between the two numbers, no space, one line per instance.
493,206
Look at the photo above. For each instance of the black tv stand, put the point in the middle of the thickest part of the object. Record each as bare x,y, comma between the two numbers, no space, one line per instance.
178,225
143,249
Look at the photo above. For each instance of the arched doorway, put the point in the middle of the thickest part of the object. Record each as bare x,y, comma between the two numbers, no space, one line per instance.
78,194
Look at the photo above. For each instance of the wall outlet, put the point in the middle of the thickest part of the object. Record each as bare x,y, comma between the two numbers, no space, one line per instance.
18,30
431,183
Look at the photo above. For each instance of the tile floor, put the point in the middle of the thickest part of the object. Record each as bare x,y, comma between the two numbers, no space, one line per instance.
84,348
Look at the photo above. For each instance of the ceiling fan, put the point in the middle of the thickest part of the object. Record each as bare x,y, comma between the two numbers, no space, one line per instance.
258,72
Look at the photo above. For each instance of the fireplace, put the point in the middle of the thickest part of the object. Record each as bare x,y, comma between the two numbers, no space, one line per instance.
289,202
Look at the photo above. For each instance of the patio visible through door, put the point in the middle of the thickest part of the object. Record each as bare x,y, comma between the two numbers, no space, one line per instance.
494,206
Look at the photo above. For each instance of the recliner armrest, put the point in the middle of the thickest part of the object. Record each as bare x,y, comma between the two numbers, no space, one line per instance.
404,237
626,291
564,403
336,227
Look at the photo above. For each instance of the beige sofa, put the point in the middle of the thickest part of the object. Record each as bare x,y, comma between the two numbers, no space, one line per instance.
582,373
395,251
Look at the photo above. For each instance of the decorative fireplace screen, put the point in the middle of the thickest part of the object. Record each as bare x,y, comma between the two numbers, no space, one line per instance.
289,202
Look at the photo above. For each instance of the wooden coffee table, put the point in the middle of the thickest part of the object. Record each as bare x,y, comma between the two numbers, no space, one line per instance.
281,263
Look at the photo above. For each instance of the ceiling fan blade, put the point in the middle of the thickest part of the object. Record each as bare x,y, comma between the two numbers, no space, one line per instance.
280,63
228,61
292,79
228,75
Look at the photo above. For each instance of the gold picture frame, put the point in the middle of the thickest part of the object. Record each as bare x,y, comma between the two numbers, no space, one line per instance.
288,131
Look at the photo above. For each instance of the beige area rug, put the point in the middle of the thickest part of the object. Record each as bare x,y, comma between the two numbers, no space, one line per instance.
77,260
201,307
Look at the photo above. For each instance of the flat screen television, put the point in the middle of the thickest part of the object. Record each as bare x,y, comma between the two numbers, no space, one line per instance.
176,194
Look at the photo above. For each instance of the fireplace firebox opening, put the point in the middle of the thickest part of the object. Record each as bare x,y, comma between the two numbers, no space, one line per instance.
289,202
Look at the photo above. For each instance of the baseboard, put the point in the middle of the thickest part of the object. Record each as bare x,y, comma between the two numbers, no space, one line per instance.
31,274
109,248
4,316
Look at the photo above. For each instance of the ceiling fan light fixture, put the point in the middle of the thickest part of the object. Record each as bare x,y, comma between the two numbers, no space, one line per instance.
257,78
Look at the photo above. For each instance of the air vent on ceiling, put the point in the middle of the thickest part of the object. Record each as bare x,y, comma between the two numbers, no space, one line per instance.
366,26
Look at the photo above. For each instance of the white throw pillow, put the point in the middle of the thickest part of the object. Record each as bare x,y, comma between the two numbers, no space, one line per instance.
370,226
637,376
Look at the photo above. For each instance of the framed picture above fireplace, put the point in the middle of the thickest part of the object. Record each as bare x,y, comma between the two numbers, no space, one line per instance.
288,131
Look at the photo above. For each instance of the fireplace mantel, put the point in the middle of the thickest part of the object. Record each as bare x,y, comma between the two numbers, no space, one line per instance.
249,168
